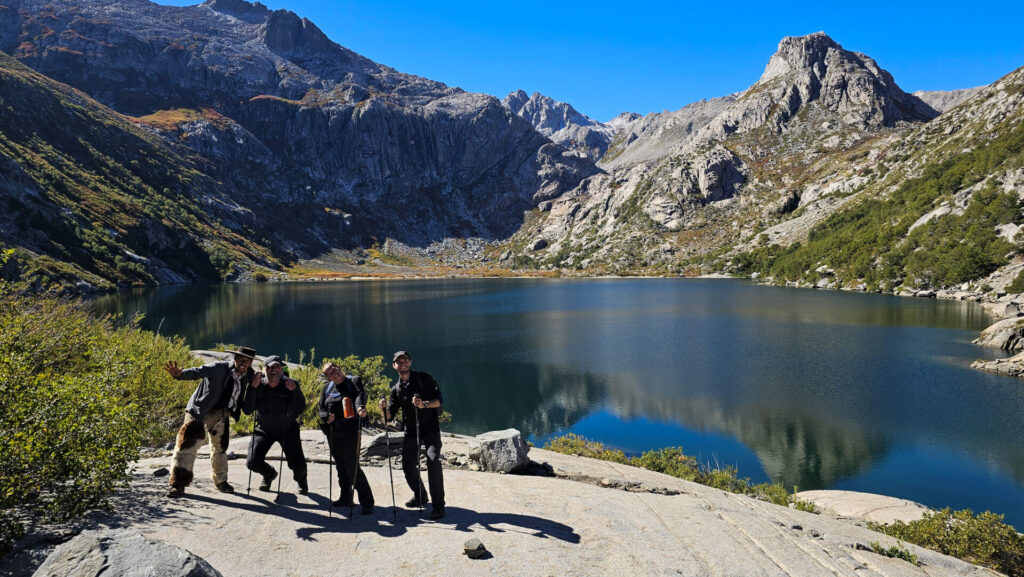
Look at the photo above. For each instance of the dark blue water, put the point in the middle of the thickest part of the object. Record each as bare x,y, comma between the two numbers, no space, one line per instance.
814,389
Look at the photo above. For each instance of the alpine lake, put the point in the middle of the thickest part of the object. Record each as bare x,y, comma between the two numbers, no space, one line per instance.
816,389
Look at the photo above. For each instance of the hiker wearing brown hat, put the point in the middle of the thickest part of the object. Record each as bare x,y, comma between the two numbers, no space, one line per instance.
213,403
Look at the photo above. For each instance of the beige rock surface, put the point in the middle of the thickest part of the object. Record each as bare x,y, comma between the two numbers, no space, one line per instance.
591,518
865,506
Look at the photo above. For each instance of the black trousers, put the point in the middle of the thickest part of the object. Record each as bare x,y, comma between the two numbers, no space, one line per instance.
345,449
290,443
411,466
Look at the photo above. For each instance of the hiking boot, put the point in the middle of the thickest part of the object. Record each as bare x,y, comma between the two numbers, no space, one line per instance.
176,492
342,502
414,502
303,487
437,513
223,487
267,480
368,509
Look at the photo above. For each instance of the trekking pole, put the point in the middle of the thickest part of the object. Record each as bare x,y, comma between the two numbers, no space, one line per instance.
252,435
330,475
419,479
391,474
355,474
280,470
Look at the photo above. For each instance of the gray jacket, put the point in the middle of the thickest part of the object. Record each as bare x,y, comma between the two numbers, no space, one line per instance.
216,376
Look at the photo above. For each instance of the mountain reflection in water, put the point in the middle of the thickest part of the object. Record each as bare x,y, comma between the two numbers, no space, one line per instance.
822,389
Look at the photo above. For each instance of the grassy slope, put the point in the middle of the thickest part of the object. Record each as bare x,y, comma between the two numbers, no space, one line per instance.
89,192
870,241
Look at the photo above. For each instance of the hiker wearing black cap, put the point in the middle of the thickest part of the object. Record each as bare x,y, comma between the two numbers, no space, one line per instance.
342,405
278,402
215,400
418,396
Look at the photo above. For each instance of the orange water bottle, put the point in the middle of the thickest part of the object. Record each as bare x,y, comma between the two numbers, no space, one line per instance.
348,411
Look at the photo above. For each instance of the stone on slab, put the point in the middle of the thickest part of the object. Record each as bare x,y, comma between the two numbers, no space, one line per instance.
122,552
500,451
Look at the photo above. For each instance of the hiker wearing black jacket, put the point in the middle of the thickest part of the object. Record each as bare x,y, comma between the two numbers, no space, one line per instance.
343,434
419,398
217,398
278,403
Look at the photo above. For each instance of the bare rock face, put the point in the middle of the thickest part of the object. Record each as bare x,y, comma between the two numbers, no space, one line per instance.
560,122
121,552
720,173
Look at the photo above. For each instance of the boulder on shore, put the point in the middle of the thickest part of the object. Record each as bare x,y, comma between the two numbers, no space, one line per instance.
379,445
500,451
1007,334
122,552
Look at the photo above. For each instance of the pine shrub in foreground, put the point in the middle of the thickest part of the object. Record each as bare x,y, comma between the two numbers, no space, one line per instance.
79,395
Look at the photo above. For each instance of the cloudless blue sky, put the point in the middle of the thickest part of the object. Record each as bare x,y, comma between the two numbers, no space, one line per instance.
647,56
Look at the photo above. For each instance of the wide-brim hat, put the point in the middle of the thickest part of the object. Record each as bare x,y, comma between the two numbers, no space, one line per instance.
245,352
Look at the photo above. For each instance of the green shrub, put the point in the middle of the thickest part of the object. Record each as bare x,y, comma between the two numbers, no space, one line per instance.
896,550
573,444
771,492
801,505
670,461
1017,286
726,479
72,394
980,539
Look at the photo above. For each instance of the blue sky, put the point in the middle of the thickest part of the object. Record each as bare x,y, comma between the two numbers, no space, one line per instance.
644,56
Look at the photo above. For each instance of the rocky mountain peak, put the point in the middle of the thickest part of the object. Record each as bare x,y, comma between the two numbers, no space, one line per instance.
798,53
253,12
560,122
288,35
623,119
515,101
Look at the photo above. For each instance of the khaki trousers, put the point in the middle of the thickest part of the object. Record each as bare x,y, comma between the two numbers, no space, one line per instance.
214,427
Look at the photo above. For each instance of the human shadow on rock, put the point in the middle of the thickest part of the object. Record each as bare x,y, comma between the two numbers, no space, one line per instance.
465,519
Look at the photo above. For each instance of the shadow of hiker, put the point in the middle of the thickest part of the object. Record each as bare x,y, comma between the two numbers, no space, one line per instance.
465,519
314,518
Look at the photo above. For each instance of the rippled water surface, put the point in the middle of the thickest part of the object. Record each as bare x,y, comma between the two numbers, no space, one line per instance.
816,389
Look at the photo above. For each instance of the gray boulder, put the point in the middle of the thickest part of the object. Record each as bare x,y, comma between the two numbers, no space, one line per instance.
500,451
122,553
1007,310
377,446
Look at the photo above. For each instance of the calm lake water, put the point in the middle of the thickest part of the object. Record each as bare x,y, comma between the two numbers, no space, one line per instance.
815,389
